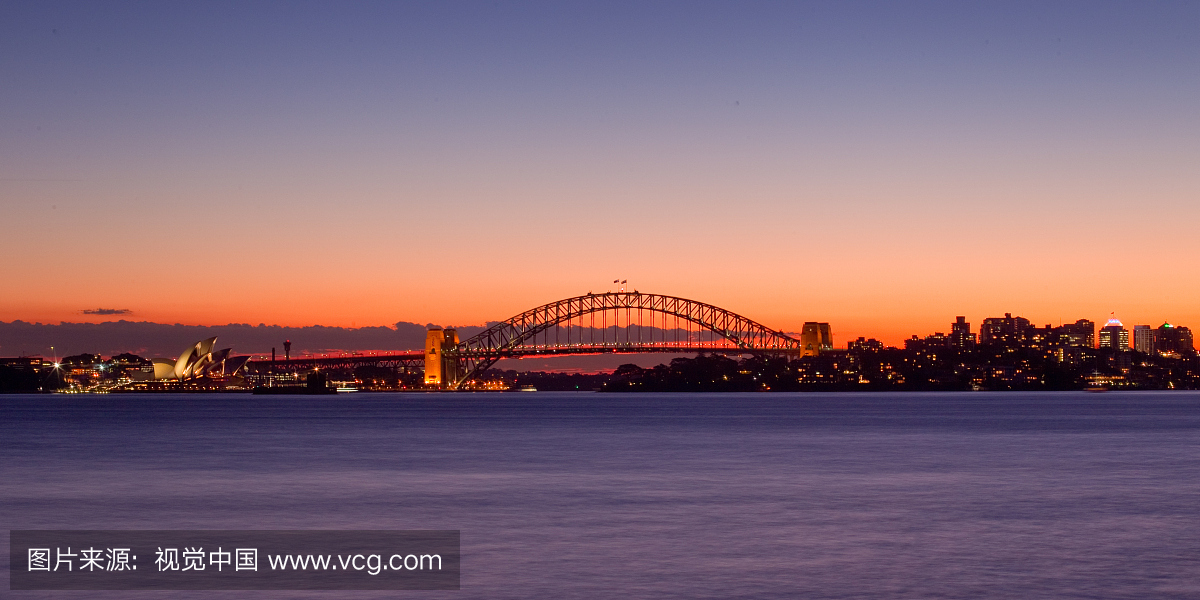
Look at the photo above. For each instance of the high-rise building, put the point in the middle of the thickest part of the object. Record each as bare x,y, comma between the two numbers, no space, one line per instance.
1007,331
1042,337
816,338
1173,339
937,340
1114,336
1080,334
1143,339
960,334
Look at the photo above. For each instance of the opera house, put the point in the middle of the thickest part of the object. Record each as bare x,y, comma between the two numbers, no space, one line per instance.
199,361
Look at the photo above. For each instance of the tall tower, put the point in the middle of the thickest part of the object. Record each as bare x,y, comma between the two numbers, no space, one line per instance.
1114,336
440,371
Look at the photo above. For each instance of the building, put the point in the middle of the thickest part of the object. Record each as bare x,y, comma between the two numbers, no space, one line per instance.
199,360
1173,339
960,334
1006,331
936,341
1080,334
1044,338
1143,339
1114,336
816,338
23,363
865,345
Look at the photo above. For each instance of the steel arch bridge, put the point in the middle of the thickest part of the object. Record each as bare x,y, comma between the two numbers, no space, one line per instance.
597,322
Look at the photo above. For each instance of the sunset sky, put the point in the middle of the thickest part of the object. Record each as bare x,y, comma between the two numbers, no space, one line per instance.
880,166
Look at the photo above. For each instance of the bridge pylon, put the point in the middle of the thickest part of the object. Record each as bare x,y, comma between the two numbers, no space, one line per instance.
440,370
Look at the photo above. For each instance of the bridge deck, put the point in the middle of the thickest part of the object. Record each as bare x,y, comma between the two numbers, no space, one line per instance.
410,358
416,358
622,348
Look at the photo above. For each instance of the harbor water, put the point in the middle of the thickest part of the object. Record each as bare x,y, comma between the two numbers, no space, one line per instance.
563,496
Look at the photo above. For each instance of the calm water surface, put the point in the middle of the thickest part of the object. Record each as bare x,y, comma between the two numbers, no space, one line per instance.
986,495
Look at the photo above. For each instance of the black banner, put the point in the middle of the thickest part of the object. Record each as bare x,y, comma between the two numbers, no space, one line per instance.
234,560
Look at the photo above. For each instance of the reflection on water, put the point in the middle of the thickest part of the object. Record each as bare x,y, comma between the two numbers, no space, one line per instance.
561,496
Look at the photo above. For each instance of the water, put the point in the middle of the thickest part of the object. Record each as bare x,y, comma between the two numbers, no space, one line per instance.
985,495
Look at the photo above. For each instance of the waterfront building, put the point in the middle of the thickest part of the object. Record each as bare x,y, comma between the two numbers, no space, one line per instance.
23,363
198,360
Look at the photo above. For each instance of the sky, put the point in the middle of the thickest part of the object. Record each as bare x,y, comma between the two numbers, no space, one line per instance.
881,166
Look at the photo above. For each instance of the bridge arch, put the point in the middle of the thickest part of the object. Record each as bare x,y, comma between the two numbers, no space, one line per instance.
508,338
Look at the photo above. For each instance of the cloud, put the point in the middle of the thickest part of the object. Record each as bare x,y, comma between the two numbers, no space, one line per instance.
106,311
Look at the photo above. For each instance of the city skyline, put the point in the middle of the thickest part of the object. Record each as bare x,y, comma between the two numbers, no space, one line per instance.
125,336
1008,353
895,336
875,166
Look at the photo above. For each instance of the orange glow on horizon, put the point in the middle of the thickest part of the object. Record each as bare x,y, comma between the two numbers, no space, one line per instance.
849,319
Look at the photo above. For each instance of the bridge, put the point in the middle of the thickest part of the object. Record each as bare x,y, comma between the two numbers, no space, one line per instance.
408,361
612,322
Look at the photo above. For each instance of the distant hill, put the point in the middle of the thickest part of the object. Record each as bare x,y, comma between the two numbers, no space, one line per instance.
163,340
